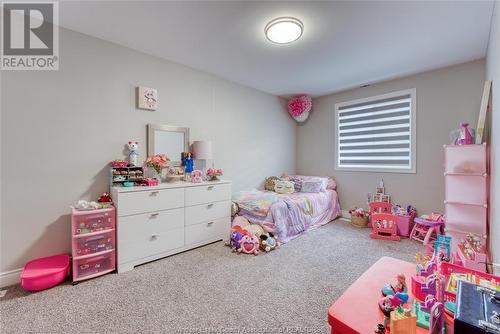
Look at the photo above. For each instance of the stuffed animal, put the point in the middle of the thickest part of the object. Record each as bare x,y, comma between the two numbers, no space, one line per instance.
268,242
132,146
240,221
255,229
234,209
105,198
236,235
270,182
284,187
249,244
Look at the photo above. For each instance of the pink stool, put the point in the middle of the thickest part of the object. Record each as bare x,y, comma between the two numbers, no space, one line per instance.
424,229
45,272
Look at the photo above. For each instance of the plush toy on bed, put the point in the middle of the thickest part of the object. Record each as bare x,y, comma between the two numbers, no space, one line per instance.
268,242
270,182
284,187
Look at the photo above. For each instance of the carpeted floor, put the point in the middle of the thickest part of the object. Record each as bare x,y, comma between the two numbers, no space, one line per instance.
211,290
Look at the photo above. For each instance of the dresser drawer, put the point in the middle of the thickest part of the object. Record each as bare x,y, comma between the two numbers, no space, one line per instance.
208,194
131,203
149,234
211,230
205,212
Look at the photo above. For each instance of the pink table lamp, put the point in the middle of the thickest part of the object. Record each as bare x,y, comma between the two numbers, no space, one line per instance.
202,150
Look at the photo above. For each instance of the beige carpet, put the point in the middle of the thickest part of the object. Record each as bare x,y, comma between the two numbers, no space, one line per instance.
211,290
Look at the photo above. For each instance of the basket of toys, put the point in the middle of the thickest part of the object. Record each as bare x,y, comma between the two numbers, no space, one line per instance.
359,217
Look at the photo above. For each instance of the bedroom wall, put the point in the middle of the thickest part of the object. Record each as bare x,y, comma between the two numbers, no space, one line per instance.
445,98
61,128
493,73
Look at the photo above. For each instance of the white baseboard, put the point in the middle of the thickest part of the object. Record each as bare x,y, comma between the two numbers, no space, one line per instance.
10,277
345,215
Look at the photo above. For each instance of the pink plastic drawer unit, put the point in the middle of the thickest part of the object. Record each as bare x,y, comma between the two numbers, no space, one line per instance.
93,243
45,273
94,266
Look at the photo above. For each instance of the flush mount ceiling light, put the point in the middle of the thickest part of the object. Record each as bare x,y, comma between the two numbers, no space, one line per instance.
284,30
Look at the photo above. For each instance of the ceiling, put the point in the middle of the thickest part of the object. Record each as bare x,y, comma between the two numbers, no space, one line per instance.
345,44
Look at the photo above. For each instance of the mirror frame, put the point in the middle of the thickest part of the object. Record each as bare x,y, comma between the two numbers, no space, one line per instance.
158,127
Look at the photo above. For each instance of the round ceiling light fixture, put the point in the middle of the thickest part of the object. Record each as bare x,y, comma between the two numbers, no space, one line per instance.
284,30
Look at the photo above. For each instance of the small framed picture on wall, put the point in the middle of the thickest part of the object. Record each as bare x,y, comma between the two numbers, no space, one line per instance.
147,98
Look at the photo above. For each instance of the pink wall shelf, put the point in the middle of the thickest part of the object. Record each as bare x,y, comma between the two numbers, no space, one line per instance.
93,240
467,196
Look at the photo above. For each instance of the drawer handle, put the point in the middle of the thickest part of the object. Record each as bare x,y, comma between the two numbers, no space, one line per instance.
210,187
154,193
154,236
211,205
210,223
154,215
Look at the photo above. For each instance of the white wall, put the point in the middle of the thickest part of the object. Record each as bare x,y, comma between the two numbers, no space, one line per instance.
60,129
493,73
445,98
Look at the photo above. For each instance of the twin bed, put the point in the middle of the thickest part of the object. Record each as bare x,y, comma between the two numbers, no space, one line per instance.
289,215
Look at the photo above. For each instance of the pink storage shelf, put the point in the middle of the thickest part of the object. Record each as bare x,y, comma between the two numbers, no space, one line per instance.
93,240
466,192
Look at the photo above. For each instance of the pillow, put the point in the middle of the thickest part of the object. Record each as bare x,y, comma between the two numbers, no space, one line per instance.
324,180
309,186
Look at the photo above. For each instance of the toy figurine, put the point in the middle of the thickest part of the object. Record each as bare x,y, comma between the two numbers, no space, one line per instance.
188,163
236,235
398,286
389,303
197,176
133,146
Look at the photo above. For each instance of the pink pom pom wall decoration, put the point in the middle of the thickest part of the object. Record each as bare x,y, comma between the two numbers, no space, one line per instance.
299,107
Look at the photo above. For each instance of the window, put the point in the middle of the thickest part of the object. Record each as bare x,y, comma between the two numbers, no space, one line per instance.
377,133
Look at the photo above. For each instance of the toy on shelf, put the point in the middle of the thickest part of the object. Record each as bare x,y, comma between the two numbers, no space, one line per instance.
120,175
403,321
214,173
399,285
427,228
464,135
119,163
384,226
132,146
83,205
150,182
471,253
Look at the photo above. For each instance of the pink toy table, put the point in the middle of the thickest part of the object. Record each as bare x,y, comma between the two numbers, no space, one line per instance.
356,311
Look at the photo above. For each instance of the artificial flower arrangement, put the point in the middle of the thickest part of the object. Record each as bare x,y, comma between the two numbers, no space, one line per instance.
157,162
213,173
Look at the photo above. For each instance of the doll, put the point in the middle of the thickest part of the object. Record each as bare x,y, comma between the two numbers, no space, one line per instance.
188,163
399,285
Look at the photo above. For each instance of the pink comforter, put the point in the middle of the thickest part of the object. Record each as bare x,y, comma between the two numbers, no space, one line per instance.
287,217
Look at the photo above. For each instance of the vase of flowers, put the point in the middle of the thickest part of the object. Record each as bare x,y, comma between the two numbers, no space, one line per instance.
155,165
213,174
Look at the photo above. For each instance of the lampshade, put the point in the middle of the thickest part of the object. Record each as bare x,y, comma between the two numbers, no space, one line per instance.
202,149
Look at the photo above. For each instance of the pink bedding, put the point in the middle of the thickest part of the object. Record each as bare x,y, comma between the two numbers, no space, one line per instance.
288,216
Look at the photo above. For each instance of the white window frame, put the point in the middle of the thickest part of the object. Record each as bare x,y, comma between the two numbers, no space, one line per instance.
413,138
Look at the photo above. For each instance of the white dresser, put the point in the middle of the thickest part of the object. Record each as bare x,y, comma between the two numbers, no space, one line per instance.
154,222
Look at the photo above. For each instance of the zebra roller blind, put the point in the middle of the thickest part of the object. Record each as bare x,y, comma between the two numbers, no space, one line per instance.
378,133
